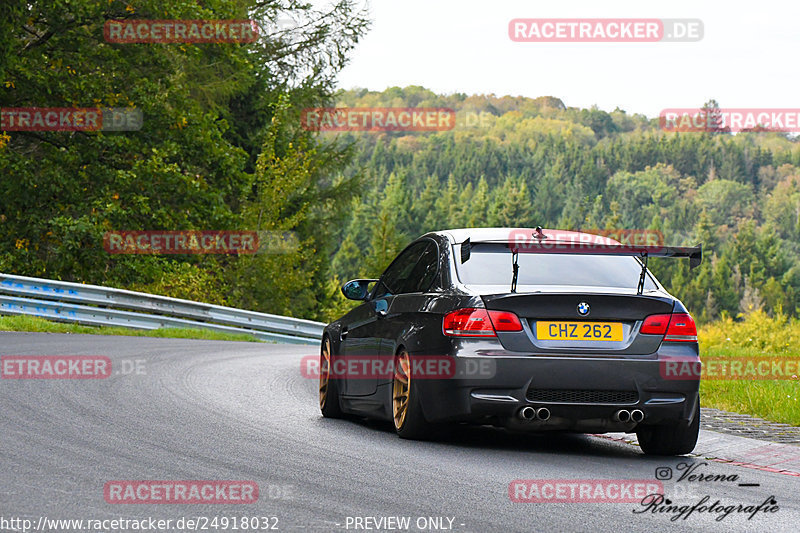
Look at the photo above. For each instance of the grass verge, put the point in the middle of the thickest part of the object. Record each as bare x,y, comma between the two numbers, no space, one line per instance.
41,325
757,336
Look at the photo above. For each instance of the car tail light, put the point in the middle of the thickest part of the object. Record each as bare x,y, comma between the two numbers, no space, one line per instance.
656,324
505,321
471,322
681,329
677,327
468,323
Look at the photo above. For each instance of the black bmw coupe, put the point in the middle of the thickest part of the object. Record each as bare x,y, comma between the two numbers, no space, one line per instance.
527,329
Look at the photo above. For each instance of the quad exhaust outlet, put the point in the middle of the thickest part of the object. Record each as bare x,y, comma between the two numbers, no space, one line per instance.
529,413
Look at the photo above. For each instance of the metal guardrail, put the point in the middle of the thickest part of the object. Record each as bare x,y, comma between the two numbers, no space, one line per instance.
104,306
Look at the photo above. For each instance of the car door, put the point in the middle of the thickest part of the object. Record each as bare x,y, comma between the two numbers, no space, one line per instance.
362,338
412,299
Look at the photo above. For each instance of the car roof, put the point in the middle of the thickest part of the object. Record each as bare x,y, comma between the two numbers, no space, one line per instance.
456,236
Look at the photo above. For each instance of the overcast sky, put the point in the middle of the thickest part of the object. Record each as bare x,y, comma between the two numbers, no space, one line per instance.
747,58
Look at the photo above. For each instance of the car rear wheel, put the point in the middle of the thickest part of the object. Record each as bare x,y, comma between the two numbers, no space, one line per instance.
409,422
328,388
670,439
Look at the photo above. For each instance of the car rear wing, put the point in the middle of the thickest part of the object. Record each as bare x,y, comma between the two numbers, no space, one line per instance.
544,245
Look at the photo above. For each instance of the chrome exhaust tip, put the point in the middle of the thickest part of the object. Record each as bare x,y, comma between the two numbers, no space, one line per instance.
527,413
623,415
637,415
543,414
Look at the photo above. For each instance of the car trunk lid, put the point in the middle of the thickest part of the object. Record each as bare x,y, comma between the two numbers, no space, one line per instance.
580,322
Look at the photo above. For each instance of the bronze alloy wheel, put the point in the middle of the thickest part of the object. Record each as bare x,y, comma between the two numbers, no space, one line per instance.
324,372
401,388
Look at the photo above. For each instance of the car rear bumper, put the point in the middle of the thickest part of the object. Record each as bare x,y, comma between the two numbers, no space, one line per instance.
582,392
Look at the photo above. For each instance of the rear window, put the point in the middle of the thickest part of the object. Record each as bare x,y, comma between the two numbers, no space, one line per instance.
490,264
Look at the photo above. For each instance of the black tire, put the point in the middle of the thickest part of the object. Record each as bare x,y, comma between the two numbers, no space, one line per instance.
670,439
411,424
328,388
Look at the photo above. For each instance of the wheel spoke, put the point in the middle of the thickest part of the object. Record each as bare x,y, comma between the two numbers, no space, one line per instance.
324,373
401,389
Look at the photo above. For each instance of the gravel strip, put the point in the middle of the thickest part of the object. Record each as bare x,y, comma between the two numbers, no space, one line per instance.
748,426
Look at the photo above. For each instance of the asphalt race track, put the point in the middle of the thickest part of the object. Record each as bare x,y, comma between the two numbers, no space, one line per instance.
207,410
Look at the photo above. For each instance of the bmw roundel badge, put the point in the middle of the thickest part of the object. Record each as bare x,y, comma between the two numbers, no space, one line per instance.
583,309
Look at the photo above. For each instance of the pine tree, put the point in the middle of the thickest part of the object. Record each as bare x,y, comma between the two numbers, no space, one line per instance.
478,212
511,205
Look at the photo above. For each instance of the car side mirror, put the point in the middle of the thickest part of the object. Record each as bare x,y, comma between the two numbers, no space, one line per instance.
357,289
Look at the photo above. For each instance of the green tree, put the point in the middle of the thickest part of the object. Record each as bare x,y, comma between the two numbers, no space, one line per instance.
511,205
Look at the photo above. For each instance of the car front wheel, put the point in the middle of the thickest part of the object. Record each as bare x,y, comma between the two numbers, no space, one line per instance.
328,388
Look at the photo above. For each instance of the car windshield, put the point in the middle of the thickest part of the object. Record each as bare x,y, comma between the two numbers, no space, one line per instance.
491,265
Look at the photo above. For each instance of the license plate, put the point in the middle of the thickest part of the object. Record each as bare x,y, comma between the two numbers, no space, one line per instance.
579,331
